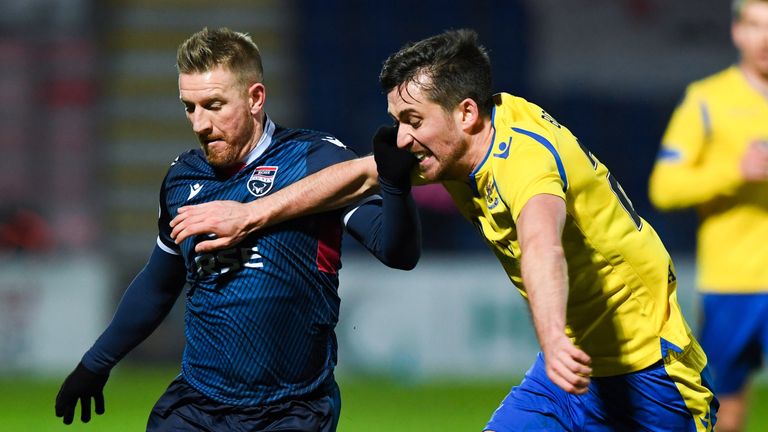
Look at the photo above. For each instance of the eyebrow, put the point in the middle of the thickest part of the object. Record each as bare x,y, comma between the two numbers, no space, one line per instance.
404,113
205,100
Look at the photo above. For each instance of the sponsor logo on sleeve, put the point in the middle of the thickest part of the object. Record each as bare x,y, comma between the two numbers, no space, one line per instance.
334,141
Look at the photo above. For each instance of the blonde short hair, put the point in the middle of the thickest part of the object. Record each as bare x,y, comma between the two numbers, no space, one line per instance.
208,49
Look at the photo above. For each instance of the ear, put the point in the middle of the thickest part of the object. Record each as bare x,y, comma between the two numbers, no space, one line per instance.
468,114
257,95
739,32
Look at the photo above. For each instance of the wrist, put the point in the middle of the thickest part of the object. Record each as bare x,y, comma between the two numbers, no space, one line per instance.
392,187
254,216
551,336
83,369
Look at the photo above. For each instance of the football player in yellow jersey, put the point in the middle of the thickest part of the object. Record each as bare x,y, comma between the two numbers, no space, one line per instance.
616,353
714,157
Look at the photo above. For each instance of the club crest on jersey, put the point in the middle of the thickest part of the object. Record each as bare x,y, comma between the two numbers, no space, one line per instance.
261,180
491,199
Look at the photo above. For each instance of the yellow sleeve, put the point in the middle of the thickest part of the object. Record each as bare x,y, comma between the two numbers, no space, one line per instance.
532,168
683,175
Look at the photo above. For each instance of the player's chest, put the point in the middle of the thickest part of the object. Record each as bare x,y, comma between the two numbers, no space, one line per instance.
252,183
489,213
735,124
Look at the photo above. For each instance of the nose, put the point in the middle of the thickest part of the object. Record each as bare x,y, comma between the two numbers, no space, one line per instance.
404,139
201,124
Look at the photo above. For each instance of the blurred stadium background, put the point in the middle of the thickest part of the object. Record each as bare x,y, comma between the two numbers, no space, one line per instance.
90,120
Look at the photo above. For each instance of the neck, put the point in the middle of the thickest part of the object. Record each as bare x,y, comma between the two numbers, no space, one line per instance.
755,79
259,126
480,141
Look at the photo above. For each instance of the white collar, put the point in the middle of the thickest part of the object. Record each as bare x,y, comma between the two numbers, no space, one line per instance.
264,141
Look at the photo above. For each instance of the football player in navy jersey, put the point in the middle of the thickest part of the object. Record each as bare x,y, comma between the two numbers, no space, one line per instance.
260,315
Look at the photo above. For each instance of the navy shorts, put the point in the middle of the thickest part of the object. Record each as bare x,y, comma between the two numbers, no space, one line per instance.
182,408
734,334
671,395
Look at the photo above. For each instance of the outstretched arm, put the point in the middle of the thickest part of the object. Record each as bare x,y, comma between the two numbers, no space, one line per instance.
231,221
545,277
146,302
390,228
144,305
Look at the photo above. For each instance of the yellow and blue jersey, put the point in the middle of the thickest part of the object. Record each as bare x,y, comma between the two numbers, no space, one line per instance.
698,166
622,304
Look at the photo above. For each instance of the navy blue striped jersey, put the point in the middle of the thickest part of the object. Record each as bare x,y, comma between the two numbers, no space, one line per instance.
260,316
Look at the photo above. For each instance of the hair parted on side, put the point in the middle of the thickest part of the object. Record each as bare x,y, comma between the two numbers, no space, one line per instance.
209,49
449,67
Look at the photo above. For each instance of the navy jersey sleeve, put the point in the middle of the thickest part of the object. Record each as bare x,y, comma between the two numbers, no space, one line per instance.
164,240
388,226
327,150
143,307
146,301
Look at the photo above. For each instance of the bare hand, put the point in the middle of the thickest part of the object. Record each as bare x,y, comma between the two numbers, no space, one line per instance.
226,220
754,163
567,365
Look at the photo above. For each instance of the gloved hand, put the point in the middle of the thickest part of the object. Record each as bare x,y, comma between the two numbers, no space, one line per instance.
81,384
394,165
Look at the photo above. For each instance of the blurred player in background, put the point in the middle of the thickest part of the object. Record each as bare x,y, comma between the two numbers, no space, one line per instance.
714,158
617,353
260,316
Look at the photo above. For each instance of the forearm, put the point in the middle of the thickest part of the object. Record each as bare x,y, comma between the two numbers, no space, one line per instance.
143,307
333,187
678,186
390,230
545,277
401,242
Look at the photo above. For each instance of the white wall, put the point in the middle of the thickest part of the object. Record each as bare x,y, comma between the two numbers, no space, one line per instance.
452,315
51,310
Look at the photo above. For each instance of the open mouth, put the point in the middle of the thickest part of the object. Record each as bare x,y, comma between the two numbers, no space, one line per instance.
421,155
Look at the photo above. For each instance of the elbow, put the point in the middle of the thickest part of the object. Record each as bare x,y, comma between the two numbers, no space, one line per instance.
661,199
663,193
409,264
663,205
402,261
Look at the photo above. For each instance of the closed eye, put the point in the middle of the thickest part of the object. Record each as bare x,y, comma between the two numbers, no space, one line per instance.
213,105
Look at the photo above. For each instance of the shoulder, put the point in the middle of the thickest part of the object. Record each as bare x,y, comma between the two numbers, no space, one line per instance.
716,82
520,116
320,149
314,137
317,141
192,157
189,163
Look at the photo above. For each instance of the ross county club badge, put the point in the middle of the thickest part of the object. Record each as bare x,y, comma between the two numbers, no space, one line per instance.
261,180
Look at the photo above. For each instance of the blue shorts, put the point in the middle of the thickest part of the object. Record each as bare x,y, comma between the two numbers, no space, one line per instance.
734,334
182,408
671,395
